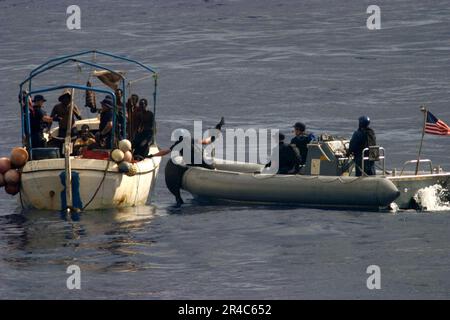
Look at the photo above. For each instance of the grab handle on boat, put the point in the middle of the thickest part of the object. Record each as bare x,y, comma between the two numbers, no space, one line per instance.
374,153
415,162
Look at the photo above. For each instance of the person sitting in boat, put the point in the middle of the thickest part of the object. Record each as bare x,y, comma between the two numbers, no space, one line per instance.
301,140
104,134
60,114
289,158
39,121
362,138
86,139
144,135
174,172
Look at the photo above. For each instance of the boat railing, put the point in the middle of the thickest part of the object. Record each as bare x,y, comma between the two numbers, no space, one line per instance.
374,153
415,163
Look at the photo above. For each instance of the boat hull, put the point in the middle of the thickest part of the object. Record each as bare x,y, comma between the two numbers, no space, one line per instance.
410,185
96,184
315,191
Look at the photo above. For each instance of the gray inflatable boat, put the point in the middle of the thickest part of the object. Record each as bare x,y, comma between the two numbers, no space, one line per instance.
326,180
322,191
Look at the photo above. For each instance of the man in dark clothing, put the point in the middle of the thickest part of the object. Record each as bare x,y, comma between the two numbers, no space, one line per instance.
60,113
104,134
362,138
144,135
174,172
121,117
288,157
133,116
38,122
301,140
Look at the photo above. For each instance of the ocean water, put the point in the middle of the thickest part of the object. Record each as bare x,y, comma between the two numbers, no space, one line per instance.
262,64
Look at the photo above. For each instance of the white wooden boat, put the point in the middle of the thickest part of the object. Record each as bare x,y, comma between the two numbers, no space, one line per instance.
96,184
92,184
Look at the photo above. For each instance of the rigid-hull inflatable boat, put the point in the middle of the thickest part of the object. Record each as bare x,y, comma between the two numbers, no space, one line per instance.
326,180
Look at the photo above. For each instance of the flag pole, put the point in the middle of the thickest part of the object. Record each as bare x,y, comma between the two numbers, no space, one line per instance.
425,113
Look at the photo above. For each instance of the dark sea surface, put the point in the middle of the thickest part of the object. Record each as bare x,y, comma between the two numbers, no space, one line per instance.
262,64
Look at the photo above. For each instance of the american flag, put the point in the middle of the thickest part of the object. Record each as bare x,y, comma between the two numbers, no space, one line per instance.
436,126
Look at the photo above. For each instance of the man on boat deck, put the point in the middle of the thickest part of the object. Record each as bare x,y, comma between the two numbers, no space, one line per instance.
39,120
362,138
132,115
289,157
60,114
144,135
301,140
120,116
104,133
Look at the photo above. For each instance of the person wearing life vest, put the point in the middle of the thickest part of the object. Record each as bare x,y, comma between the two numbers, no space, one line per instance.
301,140
362,138
289,157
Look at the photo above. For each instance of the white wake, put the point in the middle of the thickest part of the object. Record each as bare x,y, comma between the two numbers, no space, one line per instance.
433,198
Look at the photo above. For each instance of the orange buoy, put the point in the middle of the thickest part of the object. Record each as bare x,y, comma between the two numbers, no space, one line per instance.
128,156
5,164
12,189
2,180
19,157
12,177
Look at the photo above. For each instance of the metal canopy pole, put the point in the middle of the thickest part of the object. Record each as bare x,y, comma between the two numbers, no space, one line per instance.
67,147
425,113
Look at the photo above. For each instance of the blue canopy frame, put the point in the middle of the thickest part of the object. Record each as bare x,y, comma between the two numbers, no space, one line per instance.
61,60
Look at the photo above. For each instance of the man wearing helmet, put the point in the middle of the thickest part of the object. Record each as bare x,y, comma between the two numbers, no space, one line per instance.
174,172
362,138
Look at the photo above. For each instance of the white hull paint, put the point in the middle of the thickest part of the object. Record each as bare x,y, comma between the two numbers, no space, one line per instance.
42,187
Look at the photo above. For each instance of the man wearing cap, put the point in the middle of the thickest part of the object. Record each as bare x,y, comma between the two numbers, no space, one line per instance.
362,138
60,113
104,136
39,120
301,140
